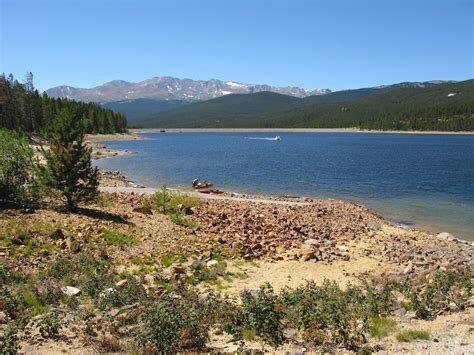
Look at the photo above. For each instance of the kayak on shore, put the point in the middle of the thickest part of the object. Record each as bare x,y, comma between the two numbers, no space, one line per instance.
211,191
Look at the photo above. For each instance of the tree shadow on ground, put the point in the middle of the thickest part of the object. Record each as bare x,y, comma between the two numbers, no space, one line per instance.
97,214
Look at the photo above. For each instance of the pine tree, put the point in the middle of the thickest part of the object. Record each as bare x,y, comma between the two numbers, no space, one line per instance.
68,167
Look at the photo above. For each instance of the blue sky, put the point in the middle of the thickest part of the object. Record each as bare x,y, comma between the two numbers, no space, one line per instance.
313,44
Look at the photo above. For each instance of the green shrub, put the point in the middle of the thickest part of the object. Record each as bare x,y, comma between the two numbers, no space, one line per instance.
447,287
60,268
260,314
173,324
9,303
171,203
328,314
16,169
50,325
410,335
9,344
131,292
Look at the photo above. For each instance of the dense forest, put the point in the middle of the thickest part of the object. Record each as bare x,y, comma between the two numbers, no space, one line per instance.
406,106
23,108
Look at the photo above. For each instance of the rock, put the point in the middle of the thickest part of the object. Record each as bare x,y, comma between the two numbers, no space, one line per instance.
453,307
70,291
312,241
374,226
280,250
446,236
306,252
198,264
400,312
255,292
408,269
179,269
290,333
114,312
120,283
143,210
343,248
212,263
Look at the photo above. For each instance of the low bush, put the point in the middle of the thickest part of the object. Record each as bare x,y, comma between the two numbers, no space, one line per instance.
260,314
173,324
131,292
9,342
49,326
447,287
176,205
9,303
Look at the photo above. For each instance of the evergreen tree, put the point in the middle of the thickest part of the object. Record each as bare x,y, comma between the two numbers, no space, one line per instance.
68,167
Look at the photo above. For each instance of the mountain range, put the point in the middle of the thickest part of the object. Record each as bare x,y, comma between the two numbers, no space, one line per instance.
169,88
404,106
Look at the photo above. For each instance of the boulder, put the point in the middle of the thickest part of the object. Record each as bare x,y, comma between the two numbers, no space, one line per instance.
120,283
212,263
70,291
143,210
446,236
179,269
312,241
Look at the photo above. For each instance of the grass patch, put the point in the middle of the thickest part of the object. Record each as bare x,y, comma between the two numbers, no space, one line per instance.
179,219
117,238
168,260
104,200
34,302
176,205
380,327
410,335
143,261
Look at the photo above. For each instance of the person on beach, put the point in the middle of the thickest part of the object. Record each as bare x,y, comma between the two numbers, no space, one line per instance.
195,182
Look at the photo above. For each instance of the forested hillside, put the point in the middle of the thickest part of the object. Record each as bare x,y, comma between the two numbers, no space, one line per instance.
447,107
143,107
23,108
217,112
406,106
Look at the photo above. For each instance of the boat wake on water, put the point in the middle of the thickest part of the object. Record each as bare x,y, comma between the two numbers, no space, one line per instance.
277,138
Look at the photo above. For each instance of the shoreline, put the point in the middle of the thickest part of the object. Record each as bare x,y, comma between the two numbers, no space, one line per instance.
137,131
116,179
100,150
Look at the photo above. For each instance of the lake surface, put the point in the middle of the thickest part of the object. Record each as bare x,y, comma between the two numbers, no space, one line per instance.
424,180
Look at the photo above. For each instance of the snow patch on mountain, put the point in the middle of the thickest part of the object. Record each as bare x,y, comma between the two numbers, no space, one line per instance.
170,88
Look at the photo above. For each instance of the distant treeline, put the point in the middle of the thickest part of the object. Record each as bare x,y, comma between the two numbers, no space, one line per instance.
23,108
443,107
406,106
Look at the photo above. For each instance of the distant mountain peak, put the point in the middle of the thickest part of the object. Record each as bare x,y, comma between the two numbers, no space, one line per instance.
171,88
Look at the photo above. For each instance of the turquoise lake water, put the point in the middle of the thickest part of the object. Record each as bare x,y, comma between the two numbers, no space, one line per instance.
426,181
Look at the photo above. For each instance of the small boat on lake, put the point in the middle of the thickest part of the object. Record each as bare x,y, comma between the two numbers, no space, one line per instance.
276,138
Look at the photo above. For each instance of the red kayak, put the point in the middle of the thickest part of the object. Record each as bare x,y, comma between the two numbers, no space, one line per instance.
211,191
